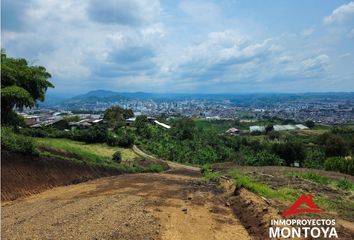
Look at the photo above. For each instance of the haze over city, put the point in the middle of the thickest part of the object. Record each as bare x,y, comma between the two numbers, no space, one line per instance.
185,46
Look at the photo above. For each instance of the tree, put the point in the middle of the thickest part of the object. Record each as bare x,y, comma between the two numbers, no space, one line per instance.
183,128
334,145
140,123
269,128
116,116
310,124
21,86
272,135
290,151
314,158
93,134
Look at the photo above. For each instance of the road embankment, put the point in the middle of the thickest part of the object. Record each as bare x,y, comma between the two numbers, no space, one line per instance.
23,175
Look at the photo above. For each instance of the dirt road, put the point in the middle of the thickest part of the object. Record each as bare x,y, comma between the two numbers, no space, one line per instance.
136,206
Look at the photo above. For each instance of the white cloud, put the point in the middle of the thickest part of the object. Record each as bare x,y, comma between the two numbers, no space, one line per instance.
315,66
307,32
203,11
132,45
340,14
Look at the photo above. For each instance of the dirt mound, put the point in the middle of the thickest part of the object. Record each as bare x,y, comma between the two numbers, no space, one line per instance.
23,175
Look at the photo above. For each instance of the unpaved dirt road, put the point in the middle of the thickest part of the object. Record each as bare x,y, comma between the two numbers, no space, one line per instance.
136,206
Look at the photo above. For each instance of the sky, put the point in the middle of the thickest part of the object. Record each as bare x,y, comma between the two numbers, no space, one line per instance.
186,46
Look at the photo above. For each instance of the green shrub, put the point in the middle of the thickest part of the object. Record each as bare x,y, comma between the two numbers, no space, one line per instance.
340,164
345,184
212,176
272,135
310,124
122,138
263,158
290,151
117,157
205,168
156,168
334,145
314,159
13,142
45,132
94,134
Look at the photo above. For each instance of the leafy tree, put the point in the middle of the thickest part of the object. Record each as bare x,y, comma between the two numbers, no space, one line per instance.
334,145
263,158
94,134
140,123
122,138
290,151
116,116
269,128
314,158
272,135
310,124
340,164
288,121
21,86
183,128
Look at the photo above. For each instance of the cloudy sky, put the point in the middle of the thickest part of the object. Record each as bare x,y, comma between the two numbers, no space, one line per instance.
196,46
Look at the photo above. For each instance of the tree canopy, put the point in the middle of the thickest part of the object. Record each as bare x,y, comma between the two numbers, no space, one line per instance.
115,116
21,86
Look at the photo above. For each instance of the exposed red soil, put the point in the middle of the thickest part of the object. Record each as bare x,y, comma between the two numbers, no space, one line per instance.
25,175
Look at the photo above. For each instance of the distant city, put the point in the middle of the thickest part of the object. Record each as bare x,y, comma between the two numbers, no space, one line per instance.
323,108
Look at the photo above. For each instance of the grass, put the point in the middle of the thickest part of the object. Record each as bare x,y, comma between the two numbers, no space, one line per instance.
98,152
211,176
284,193
313,177
342,184
96,155
345,185
343,206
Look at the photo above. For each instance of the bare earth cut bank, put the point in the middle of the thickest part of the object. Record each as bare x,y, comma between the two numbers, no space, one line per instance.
25,175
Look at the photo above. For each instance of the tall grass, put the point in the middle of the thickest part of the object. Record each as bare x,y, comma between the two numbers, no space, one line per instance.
284,193
345,184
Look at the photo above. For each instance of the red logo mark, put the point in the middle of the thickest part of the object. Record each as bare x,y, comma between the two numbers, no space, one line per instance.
294,209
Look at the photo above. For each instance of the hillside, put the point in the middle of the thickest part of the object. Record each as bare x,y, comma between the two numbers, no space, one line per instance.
95,96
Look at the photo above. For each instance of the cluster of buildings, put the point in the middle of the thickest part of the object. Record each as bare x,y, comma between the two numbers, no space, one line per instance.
67,120
46,117
320,111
